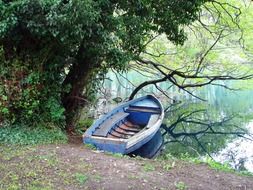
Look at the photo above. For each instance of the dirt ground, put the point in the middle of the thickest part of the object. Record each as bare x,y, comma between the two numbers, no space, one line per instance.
75,166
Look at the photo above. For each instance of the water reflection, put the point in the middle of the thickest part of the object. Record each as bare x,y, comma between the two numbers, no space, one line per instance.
239,153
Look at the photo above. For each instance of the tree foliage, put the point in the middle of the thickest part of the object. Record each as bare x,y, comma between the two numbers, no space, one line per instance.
216,50
52,49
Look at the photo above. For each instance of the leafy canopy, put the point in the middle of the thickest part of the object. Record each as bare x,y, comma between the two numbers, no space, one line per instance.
104,28
44,39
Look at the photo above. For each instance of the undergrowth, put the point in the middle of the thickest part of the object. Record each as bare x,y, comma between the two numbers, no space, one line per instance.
23,135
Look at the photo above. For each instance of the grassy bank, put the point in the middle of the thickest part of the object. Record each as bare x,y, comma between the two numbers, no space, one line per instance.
71,166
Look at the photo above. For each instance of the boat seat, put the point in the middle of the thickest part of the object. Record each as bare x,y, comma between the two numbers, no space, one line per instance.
143,109
105,127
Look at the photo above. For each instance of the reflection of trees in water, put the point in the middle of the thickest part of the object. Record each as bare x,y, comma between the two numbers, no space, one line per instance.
238,153
237,163
199,128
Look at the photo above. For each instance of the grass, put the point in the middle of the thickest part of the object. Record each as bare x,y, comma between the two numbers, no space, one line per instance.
33,168
27,167
81,178
180,185
90,146
132,176
116,155
148,167
97,178
219,166
209,161
21,135
225,167
169,166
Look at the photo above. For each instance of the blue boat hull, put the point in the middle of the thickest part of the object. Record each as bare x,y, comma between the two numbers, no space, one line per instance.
152,148
127,127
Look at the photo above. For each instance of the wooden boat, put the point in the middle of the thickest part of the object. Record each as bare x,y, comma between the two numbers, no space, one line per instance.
127,127
152,148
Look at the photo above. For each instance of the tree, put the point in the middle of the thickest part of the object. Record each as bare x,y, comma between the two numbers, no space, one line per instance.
56,50
219,49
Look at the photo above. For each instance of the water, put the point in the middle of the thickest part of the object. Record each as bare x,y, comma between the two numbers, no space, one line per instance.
238,152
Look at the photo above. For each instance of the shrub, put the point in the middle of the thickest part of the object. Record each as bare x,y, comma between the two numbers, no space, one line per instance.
28,95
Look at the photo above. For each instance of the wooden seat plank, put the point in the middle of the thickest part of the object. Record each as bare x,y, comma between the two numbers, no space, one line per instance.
127,128
106,126
124,132
130,124
147,110
116,134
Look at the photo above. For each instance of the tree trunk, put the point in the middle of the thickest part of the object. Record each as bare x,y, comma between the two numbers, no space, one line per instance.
78,77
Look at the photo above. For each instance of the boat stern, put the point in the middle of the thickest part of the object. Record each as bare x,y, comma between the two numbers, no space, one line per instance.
109,145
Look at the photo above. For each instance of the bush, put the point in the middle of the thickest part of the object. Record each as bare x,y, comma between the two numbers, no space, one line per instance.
29,95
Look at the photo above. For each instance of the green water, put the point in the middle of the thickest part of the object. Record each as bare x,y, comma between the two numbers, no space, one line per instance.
237,107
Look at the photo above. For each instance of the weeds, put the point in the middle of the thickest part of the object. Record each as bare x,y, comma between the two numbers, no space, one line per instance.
225,167
209,161
148,167
90,146
180,185
169,166
81,178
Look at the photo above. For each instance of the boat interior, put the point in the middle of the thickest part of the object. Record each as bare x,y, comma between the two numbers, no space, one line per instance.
129,121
